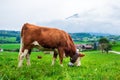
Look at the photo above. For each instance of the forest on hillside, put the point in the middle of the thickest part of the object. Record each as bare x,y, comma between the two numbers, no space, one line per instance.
14,36
9,36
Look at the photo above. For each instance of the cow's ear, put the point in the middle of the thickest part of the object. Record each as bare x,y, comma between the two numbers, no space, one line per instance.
81,55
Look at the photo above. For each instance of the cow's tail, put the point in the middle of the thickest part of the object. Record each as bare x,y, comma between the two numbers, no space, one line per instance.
21,45
20,50
21,41
23,28
22,35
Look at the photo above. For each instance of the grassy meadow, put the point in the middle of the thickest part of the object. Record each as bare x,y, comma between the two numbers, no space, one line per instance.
10,46
8,39
95,66
116,46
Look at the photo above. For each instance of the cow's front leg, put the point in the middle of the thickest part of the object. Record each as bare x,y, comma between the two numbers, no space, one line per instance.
21,57
28,59
61,52
54,56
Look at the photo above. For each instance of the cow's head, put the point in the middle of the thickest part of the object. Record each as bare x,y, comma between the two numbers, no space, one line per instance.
75,60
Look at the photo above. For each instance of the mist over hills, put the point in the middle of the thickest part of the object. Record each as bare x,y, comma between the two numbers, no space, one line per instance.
89,21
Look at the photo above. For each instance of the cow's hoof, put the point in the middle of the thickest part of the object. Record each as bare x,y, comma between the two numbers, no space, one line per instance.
78,65
61,65
70,64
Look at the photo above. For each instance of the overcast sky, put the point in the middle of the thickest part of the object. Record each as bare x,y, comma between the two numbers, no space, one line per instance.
14,13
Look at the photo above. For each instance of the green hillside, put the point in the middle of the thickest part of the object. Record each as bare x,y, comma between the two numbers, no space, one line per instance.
9,36
14,37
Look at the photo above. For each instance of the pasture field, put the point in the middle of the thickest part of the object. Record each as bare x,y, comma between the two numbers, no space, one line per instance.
95,66
10,46
116,46
8,39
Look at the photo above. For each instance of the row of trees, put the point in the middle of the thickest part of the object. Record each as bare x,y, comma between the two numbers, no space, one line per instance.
9,36
9,33
9,39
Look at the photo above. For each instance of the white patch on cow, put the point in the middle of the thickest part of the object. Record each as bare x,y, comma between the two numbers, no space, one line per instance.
51,52
22,57
77,50
35,43
64,55
78,63
25,53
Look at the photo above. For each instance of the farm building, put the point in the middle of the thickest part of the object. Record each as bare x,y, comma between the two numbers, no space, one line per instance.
83,47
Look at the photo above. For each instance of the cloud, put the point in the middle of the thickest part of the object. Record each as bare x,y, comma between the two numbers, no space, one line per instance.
93,15
104,19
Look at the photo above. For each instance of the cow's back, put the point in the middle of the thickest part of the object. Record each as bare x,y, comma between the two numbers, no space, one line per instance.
47,37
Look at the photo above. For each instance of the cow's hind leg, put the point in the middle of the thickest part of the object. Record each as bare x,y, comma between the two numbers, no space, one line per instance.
22,54
28,57
61,52
54,56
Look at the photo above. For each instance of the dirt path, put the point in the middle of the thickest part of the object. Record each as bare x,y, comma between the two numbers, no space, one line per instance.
116,52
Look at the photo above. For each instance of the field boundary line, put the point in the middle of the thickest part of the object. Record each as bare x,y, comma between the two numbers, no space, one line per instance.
116,52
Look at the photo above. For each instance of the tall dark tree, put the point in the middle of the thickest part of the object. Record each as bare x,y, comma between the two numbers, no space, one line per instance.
104,45
103,40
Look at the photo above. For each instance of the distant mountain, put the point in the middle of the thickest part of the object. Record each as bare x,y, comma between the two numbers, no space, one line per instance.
100,34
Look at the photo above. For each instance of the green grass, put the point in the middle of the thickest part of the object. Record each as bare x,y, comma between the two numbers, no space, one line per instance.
116,46
95,66
9,39
10,46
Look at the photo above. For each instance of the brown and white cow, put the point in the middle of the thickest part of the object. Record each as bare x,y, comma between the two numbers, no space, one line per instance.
44,37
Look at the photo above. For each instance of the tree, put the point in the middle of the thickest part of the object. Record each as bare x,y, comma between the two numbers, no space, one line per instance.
103,40
18,39
104,45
